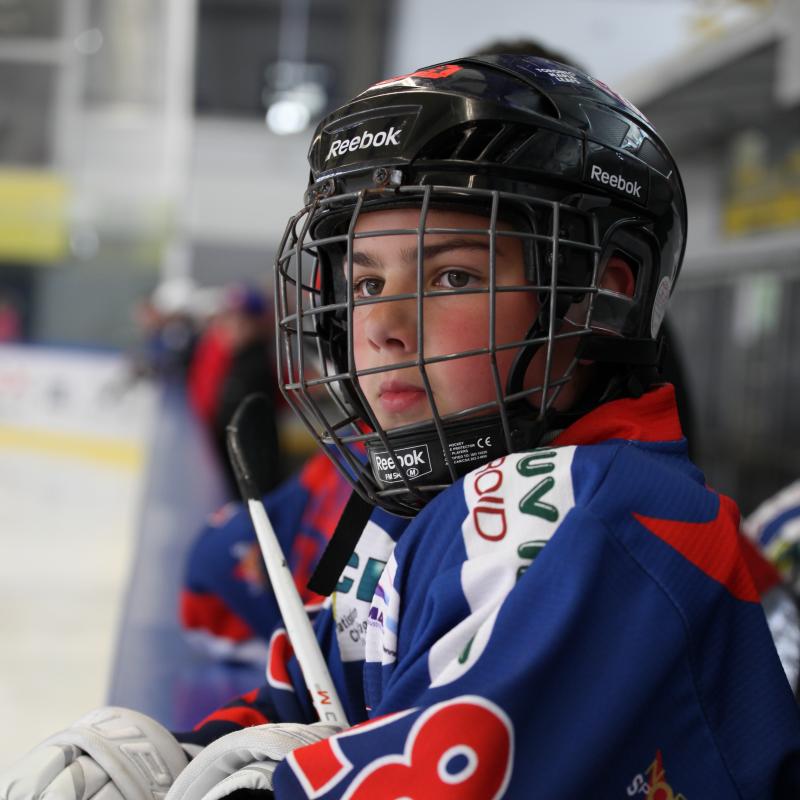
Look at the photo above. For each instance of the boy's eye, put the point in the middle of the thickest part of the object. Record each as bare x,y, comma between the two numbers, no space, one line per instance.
454,279
368,287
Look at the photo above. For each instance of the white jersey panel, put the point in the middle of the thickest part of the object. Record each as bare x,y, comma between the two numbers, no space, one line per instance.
514,505
355,590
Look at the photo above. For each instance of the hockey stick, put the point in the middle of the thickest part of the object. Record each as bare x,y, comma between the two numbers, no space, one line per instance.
242,429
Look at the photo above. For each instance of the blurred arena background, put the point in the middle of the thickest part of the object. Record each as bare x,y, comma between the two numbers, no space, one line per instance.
150,154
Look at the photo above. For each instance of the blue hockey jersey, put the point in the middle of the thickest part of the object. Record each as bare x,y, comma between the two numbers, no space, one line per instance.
573,621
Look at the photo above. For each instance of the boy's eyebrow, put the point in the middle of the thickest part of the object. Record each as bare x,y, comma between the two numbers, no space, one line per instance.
365,259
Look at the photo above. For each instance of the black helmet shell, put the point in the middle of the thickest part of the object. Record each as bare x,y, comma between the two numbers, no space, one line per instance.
579,173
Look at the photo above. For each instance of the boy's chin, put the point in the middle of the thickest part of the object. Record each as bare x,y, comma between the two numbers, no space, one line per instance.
394,424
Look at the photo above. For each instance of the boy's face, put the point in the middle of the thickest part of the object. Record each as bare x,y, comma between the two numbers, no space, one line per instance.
386,333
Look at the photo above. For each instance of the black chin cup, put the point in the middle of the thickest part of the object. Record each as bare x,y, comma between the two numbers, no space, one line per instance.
416,461
419,458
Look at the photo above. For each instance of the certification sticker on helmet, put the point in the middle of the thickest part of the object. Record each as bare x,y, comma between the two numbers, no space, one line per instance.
660,305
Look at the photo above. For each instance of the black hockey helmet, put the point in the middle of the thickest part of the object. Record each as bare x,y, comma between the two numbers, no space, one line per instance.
577,173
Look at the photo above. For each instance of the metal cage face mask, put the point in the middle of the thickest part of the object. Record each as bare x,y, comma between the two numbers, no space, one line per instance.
519,367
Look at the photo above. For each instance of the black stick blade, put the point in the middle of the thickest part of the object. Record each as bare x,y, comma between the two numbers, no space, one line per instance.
248,444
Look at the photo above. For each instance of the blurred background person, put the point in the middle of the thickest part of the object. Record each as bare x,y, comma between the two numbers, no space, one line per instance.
167,328
10,321
235,358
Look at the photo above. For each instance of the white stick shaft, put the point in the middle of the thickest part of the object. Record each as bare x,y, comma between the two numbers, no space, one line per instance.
298,626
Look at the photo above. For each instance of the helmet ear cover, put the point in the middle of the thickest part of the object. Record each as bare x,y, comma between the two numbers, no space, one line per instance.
615,312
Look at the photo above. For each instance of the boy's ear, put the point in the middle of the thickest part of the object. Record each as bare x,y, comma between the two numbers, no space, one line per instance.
618,277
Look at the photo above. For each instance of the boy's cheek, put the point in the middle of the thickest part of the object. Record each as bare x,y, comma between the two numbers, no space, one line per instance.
462,383
456,332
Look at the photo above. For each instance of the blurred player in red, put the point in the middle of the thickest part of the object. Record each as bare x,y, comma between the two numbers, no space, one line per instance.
234,358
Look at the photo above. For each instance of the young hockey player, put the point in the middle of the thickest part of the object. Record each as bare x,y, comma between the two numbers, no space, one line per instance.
227,607
484,261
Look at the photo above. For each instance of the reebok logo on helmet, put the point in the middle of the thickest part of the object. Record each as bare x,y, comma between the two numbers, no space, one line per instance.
620,174
633,188
363,141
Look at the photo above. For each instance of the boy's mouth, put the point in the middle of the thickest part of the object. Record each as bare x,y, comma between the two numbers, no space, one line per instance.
398,396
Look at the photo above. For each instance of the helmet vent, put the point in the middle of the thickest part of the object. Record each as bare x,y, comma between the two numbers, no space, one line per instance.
478,141
651,154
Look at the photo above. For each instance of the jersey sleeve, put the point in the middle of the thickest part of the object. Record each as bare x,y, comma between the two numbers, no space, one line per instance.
544,646
226,605
282,698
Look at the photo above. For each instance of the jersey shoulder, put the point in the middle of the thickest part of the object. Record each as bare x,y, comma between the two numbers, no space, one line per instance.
634,492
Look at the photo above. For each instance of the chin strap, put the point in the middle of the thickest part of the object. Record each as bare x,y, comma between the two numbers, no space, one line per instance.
627,351
629,367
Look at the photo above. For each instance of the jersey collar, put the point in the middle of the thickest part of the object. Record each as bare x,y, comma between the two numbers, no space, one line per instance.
653,417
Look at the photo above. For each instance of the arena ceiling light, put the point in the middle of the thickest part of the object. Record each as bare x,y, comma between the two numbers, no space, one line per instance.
294,90
294,95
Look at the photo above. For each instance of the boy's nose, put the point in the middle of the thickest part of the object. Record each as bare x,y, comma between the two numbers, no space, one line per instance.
392,326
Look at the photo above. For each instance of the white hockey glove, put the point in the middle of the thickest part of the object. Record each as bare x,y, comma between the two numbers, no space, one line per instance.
244,759
108,754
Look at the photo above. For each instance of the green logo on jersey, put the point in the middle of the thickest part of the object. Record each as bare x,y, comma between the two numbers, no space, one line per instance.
530,466
528,552
462,659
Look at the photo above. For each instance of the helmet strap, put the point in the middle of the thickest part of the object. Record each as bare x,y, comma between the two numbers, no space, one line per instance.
337,553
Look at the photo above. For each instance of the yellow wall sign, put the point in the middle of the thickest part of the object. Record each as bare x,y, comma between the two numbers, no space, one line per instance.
763,185
33,216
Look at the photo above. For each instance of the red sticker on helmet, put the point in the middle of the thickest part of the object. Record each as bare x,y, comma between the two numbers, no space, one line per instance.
442,71
432,73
